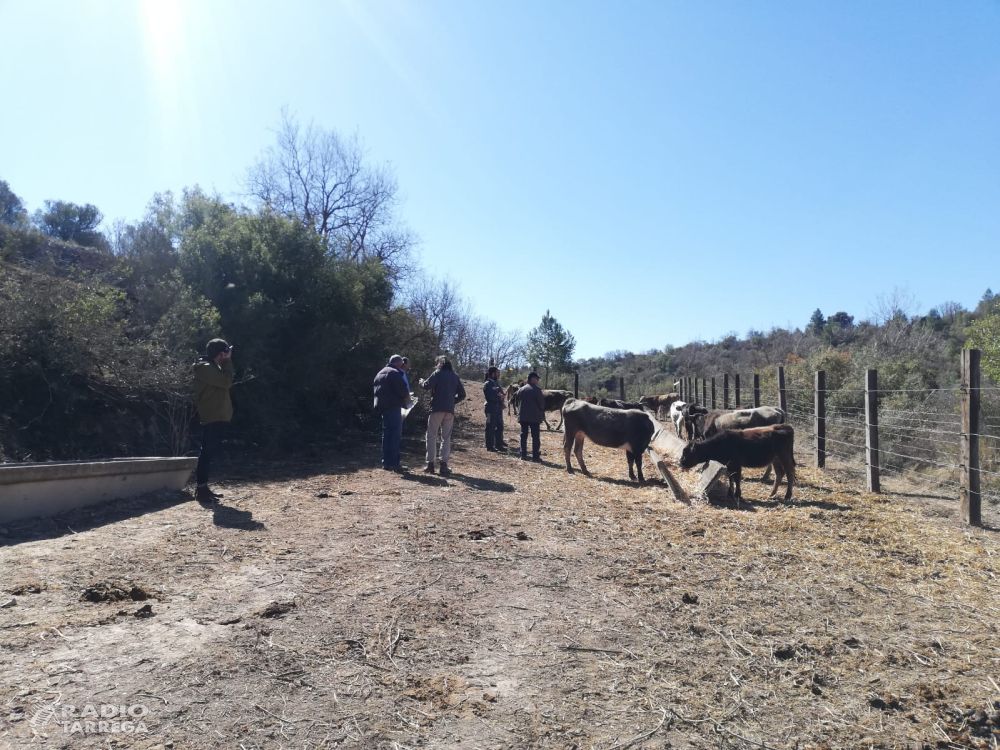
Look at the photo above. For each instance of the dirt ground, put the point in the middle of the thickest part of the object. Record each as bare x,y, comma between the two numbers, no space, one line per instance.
510,605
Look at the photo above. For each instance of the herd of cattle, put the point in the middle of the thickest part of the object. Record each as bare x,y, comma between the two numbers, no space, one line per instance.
748,437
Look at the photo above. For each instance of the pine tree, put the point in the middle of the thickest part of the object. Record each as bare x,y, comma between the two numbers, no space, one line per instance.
550,346
816,323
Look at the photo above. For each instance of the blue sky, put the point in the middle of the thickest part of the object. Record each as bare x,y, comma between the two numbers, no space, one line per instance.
651,172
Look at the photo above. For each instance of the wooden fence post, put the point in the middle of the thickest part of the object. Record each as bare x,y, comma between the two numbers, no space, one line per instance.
871,430
704,392
713,393
621,387
736,387
756,390
782,396
725,391
970,501
576,385
819,418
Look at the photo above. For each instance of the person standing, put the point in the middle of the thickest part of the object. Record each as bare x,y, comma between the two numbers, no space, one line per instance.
532,402
213,377
446,390
391,397
493,392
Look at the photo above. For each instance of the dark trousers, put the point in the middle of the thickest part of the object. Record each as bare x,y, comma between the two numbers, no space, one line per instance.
211,448
392,435
536,451
494,428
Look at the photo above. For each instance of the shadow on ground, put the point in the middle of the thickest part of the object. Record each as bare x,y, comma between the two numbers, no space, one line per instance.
90,517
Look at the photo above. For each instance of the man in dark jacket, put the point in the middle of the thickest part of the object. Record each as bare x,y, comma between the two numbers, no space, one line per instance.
493,392
391,397
447,390
213,377
532,413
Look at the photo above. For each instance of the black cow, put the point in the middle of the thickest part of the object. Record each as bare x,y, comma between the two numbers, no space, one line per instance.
755,447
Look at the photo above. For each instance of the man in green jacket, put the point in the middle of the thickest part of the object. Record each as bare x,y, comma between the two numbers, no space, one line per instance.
213,377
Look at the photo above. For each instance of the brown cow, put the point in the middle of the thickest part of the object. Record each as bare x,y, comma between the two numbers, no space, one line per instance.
554,401
755,447
511,393
655,403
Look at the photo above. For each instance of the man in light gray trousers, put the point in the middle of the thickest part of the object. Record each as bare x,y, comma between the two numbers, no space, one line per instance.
447,390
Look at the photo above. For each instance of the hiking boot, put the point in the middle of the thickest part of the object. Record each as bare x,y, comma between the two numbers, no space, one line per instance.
490,449
429,468
501,448
445,471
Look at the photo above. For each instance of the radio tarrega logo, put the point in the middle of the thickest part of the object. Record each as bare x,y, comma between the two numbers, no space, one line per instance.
92,718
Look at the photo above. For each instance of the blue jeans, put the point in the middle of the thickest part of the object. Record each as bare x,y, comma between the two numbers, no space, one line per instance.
392,433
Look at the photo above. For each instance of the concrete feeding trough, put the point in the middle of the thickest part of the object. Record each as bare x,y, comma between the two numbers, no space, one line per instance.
664,446
45,489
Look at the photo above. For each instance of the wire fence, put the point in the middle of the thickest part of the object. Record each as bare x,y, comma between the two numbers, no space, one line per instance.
919,430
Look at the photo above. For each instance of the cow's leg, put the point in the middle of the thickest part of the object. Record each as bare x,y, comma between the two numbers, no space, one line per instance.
788,461
767,474
638,466
546,420
579,453
567,447
779,472
559,426
631,460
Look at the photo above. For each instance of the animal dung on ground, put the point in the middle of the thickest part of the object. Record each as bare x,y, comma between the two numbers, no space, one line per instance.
690,598
27,588
114,592
144,611
277,609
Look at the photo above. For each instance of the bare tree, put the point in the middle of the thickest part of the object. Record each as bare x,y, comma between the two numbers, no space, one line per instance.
899,305
437,304
322,179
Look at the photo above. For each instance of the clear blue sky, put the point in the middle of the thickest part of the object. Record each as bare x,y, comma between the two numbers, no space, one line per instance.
652,172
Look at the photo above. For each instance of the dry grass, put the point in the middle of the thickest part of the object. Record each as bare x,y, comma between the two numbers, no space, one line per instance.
513,605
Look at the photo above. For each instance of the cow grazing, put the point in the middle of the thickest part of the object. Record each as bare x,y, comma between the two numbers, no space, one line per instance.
629,430
754,447
554,401
718,421
655,403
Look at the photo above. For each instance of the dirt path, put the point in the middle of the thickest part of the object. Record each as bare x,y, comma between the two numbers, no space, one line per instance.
508,606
